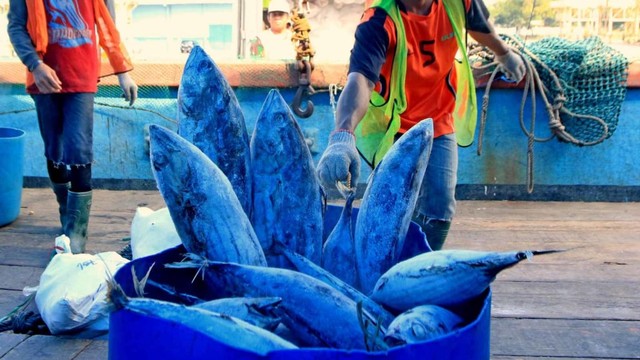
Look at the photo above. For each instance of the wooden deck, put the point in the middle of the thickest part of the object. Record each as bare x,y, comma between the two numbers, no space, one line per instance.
580,304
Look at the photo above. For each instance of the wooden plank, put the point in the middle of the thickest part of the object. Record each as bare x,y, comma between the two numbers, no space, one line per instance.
97,350
547,211
9,300
583,339
47,347
15,277
10,340
13,255
593,270
566,300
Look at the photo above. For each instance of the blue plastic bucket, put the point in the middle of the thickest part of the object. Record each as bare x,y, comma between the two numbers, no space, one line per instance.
11,173
136,336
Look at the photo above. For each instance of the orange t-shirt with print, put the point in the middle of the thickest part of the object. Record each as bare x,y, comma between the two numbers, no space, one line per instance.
430,84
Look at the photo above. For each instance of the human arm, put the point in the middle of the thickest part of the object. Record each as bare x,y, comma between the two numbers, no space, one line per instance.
341,156
129,87
482,30
511,63
19,36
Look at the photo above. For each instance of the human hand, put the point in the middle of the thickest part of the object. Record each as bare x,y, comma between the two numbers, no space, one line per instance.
129,87
339,160
512,65
46,79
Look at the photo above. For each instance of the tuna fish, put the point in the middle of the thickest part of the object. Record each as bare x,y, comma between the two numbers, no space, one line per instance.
421,323
223,328
376,313
445,277
287,196
256,311
388,203
203,206
316,313
210,117
338,250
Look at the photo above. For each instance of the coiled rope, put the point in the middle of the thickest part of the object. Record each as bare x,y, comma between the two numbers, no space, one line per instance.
554,107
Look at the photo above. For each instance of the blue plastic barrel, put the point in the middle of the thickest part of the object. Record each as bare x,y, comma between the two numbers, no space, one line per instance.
136,336
11,167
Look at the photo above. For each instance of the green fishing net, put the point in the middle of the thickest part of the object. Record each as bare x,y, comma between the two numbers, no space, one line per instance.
591,78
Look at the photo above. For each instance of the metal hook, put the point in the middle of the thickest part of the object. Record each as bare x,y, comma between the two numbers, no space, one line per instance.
303,92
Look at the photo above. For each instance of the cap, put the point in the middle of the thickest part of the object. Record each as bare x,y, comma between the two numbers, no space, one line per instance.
279,5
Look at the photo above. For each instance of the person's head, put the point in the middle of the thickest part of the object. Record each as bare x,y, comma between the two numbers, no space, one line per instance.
278,15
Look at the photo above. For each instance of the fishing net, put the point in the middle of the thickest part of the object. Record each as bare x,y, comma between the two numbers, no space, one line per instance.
585,82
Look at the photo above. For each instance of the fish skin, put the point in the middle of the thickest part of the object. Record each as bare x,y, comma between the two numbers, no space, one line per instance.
388,203
203,206
287,196
223,328
445,277
305,266
338,250
210,117
256,311
421,323
316,313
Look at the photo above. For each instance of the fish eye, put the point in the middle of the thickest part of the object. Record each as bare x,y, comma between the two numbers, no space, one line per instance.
418,330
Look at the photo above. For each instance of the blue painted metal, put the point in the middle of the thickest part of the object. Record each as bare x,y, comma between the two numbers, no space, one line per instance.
561,170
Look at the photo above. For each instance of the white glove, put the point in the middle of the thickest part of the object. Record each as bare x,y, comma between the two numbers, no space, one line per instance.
512,65
129,87
339,159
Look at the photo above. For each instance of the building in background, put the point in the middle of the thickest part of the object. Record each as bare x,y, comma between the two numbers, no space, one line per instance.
163,30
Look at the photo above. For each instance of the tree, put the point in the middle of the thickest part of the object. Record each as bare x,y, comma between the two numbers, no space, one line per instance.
518,13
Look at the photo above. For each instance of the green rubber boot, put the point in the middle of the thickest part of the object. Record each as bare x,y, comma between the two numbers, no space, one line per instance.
78,209
61,191
436,232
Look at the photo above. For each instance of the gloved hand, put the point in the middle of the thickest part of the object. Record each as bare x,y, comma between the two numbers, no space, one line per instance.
512,65
129,87
339,159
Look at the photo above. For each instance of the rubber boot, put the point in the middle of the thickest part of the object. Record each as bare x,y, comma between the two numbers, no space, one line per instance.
78,209
61,191
436,232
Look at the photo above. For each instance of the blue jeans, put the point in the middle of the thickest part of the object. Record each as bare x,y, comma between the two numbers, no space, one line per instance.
66,127
437,192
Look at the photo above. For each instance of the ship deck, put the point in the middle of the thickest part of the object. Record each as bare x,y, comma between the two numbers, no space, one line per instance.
583,303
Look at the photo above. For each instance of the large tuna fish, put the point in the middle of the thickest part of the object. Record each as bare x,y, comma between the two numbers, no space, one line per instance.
316,313
388,203
420,324
210,117
338,250
445,277
203,206
287,197
225,329
377,313
256,311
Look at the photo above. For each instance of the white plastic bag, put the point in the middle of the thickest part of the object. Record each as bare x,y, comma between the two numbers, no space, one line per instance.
71,296
152,232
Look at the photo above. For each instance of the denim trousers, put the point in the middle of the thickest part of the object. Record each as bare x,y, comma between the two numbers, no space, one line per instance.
436,200
66,127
